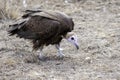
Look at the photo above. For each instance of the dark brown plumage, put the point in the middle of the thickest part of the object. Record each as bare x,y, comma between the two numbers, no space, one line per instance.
42,27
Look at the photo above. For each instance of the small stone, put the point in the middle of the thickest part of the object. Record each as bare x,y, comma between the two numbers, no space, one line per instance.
88,60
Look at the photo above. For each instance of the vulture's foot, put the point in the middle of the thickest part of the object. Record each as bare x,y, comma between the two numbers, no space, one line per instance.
42,58
41,55
60,54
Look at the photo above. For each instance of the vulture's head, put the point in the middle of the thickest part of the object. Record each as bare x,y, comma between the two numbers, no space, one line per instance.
72,38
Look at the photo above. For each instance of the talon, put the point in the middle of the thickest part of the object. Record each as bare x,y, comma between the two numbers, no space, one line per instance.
61,55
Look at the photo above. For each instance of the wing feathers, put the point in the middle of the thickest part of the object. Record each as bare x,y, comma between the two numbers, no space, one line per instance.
55,15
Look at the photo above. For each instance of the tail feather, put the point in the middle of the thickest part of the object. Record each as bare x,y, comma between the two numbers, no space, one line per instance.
14,28
21,31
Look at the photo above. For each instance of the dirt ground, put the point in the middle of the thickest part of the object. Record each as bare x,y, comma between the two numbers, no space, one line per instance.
97,25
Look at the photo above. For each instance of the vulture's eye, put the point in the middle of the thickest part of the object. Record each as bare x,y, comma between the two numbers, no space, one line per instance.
72,38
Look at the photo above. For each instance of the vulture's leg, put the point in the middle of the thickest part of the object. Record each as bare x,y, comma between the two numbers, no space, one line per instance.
60,54
41,56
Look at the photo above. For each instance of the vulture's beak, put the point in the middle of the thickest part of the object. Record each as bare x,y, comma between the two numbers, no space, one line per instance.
76,45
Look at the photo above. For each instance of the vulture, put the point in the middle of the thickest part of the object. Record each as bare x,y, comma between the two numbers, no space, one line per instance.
44,28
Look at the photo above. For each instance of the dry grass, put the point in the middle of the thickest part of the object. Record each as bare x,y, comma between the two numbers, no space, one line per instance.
11,9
